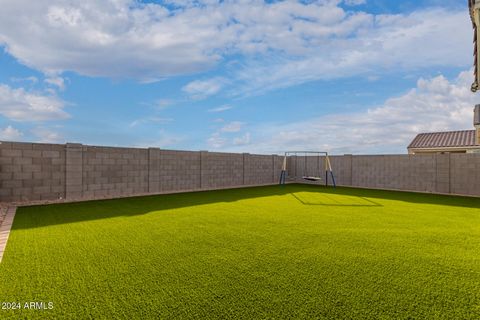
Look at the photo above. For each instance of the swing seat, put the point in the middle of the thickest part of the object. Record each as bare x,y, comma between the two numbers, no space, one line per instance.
311,178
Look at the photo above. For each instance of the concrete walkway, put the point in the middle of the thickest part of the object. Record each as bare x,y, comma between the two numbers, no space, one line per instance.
6,220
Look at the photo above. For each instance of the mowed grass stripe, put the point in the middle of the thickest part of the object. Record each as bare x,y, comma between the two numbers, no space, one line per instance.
295,251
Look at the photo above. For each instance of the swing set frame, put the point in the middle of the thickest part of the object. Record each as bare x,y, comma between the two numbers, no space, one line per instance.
306,155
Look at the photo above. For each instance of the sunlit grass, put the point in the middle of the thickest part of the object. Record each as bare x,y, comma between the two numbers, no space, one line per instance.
295,251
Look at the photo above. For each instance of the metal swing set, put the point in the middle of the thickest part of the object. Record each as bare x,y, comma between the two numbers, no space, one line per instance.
315,177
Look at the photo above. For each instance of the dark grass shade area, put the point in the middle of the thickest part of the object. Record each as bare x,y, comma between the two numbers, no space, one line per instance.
295,251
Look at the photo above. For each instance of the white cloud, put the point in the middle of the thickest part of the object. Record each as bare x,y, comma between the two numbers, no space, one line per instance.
436,104
21,105
56,81
367,45
222,138
282,43
30,79
163,103
242,140
234,126
156,120
225,107
46,135
10,134
161,140
108,38
354,2
201,89
111,38
216,141
160,104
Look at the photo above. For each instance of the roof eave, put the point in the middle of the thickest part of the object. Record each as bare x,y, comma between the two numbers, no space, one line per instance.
444,148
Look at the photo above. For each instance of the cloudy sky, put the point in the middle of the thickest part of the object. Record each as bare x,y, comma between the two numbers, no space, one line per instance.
351,76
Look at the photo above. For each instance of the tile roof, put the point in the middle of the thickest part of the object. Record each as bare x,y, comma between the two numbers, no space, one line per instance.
465,138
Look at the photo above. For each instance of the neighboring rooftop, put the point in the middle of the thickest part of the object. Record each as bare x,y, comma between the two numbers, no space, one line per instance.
448,139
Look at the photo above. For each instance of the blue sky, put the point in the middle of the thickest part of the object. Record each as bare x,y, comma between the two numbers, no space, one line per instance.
353,76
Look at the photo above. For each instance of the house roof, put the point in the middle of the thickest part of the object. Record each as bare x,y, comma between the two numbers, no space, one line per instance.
449,139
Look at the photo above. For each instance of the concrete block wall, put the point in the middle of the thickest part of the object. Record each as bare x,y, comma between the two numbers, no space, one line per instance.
74,171
111,171
314,166
31,171
404,172
277,167
435,173
178,170
154,165
291,167
465,174
305,166
442,173
259,169
222,169
342,166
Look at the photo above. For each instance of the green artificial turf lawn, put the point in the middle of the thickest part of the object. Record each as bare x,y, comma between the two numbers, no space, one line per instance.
294,251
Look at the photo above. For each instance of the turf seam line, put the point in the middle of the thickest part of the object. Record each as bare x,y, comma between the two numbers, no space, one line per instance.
5,228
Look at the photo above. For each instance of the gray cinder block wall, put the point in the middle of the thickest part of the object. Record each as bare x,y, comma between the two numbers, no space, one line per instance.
400,172
33,171
177,170
465,174
454,173
219,170
110,172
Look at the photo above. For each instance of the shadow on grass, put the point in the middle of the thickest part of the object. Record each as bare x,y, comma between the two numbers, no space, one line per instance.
410,197
334,203
40,216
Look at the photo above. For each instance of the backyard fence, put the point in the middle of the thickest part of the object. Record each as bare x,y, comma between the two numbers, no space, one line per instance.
450,173
33,171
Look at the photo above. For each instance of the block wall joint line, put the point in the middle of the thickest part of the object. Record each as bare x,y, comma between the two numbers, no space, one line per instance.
200,170
84,161
244,160
449,173
436,173
74,168
65,173
148,169
273,168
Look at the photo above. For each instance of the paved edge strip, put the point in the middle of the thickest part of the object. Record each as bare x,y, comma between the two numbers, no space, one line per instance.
5,228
